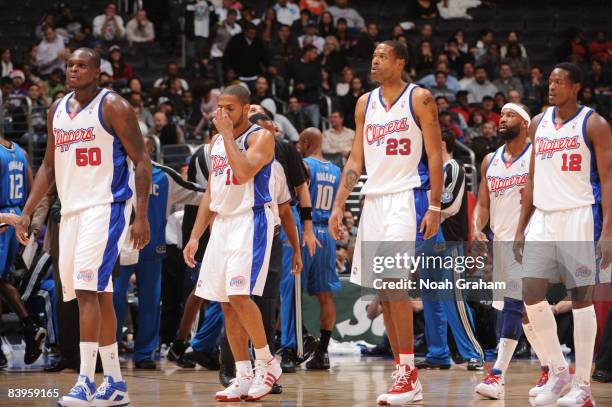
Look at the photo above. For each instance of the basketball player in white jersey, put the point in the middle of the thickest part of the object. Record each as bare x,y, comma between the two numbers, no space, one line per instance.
235,264
569,185
397,124
94,147
504,175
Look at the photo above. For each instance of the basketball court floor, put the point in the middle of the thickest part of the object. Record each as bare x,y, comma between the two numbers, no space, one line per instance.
352,382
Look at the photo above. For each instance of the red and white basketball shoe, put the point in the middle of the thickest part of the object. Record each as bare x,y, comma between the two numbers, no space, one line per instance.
236,391
534,391
579,396
266,374
406,389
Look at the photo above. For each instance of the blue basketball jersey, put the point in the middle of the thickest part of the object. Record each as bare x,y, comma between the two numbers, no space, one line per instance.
324,183
13,177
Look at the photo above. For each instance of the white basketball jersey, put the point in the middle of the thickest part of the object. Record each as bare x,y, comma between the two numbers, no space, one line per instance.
91,166
392,144
565,172
506,181
227,197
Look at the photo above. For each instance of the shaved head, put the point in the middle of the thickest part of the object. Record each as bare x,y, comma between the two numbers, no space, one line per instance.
95,57
311,141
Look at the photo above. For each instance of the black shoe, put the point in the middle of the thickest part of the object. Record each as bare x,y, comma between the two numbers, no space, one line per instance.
185,362
146,364
34,336
288,361
62,364
475,364
176,350
226,375
311,344
426,365
602,376
319,361
276,389
204,359
378,350
3,360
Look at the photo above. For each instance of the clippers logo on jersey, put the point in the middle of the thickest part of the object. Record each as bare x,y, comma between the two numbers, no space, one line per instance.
218,164
376,133
499,185
546,148
64,139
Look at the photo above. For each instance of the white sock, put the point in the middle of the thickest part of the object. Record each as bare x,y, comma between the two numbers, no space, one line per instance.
110,361
585,331
89,353
244,368
504,353
533,340
263,353
407,359
545,327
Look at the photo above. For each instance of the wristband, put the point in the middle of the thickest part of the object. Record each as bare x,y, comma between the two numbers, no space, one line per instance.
305,214
434,208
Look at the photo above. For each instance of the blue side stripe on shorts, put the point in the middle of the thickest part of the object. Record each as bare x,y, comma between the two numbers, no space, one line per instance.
111,252
260,232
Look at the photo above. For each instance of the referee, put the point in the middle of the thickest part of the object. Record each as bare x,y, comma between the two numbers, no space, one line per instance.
444,308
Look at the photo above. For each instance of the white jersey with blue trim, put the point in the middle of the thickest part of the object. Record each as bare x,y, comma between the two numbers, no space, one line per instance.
392,145
565,170
227,197
506,181
91,166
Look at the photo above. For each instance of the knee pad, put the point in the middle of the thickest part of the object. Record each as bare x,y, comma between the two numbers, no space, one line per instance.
513,315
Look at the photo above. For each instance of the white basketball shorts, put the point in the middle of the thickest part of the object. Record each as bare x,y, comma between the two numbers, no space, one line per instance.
90,241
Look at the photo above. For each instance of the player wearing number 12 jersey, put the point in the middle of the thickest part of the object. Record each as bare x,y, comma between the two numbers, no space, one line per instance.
569,187
94,153
397,126
319,272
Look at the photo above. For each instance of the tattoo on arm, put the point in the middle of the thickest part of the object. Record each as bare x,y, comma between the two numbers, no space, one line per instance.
427,100
351,180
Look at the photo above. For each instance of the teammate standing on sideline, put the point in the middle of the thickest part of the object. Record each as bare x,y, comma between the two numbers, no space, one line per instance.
319,272
569,185
397,124
235,263
93,139
503,177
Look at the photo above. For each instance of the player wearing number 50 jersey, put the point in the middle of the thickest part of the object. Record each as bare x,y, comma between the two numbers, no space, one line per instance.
94,148
568,188
397,126
319,272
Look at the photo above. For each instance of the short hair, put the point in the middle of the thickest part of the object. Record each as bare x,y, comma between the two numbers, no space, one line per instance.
232,12
259,116
479,67
449,139
573,71
441,97
440,72
339,113
538,67
249,26
399,49
341,20
308,48
239,92
95,57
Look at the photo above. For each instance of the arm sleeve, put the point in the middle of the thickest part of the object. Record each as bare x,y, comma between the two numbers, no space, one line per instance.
454,188
179,190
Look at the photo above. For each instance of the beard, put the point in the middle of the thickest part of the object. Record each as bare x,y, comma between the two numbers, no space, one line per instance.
510,134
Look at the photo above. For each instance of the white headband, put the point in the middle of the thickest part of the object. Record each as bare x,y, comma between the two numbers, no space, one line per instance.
520,110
